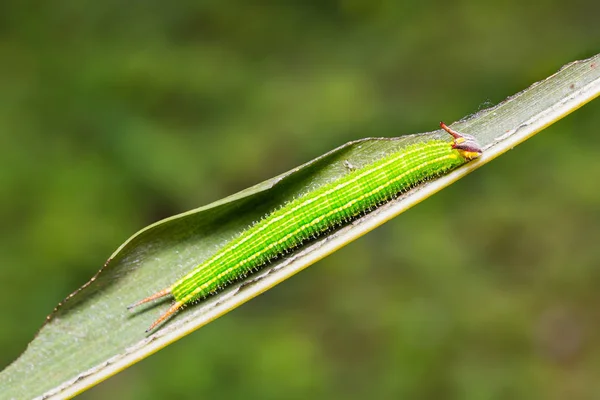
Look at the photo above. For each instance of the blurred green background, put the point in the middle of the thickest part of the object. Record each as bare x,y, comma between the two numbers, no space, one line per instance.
116,114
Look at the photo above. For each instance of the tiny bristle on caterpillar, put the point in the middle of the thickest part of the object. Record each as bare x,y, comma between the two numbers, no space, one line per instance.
307,217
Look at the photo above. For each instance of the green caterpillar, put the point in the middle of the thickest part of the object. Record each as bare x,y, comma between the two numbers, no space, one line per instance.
311,215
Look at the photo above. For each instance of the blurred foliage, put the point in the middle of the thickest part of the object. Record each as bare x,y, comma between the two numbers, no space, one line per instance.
114,115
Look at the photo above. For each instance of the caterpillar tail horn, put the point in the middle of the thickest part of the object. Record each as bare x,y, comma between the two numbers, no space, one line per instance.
157,295
171,311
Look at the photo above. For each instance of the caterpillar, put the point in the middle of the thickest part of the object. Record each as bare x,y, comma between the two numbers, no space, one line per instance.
309,216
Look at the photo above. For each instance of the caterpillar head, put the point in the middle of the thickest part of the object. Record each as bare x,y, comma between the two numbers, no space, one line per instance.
466,145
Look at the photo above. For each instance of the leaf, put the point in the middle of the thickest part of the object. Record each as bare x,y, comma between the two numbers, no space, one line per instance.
91,335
